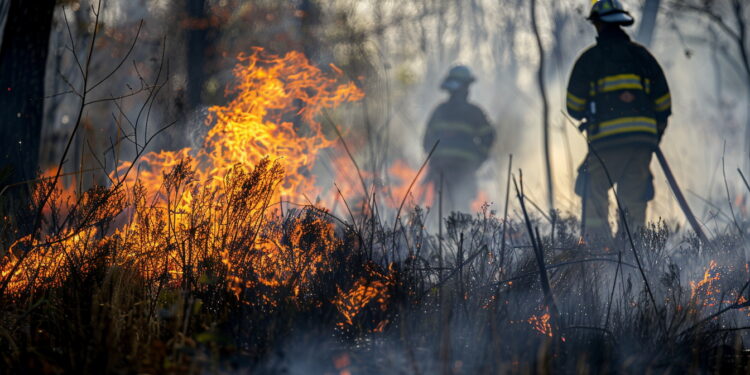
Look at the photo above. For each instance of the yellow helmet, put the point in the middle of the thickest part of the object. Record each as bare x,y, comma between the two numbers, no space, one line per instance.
610,11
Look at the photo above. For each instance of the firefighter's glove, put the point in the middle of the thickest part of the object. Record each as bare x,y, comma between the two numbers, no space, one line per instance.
660,128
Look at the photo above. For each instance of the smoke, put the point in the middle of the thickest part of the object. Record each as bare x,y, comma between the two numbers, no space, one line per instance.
707,102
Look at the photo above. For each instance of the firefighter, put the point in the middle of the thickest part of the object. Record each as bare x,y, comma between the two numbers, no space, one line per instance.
465,136
619,91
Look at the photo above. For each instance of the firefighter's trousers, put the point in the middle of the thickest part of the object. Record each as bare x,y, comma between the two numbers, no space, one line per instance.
627,169
459,185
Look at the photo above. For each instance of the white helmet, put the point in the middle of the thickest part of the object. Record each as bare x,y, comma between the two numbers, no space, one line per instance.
459,76
610,11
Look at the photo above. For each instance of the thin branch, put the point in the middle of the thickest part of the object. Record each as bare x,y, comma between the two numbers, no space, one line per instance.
122,61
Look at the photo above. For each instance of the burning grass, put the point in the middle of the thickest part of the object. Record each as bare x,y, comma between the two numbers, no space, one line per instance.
187,264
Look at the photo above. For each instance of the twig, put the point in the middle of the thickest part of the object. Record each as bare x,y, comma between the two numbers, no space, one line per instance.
440,226
539,209
614,284
348,153
708,203
729,198
733,306
538,251
454,271
505,214
744,179
545,106
411,185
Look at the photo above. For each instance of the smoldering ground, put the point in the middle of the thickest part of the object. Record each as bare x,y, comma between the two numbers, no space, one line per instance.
488,313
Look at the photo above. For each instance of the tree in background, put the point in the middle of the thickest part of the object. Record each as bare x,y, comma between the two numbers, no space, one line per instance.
731,18
545,107
23,58
649,12
196,40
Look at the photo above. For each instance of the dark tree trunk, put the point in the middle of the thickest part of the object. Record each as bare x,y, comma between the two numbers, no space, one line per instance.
197,39
545,108
23,58
648,22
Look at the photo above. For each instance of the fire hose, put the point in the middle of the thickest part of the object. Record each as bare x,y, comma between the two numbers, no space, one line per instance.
680,197
673,185
667,172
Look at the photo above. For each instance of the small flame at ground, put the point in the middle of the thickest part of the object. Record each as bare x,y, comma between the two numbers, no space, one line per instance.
480,201
541,323
704,292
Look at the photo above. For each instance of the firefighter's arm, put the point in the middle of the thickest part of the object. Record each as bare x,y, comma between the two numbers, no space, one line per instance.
661,126
486,134
660,95
430,135
578,89
487,131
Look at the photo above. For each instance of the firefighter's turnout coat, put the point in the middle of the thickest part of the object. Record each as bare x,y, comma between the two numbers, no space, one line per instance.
620,89
464,133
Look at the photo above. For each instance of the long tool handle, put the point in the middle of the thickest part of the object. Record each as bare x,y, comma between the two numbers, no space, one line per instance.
680,197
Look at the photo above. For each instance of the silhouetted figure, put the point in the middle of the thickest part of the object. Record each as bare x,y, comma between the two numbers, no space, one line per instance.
465,138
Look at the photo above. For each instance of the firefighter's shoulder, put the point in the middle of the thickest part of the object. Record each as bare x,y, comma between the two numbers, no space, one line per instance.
644,56
443,108
588,54
475,112
586,61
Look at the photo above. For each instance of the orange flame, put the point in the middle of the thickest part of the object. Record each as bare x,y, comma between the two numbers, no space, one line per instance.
273,114
191,207
421,193
374,288
541,324
218,191
704,291
481,200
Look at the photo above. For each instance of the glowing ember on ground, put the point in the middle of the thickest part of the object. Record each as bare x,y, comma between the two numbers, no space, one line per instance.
541,324
367,290
704,292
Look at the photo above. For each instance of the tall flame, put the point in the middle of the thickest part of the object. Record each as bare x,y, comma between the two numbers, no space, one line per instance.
206,210
274,113
263,143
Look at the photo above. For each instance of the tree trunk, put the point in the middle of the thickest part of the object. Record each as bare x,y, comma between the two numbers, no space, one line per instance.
545,109
649,13
23,58
738,6
197,37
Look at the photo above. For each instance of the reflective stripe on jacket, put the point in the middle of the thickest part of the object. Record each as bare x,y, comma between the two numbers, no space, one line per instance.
464,132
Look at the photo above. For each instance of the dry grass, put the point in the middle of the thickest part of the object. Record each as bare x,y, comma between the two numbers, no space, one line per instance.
122,282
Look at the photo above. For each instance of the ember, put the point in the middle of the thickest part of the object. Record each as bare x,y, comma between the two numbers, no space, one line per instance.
367,290
704,292
541,324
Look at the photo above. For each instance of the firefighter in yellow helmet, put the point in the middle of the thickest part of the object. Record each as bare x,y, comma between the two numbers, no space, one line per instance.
619,91
465,136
